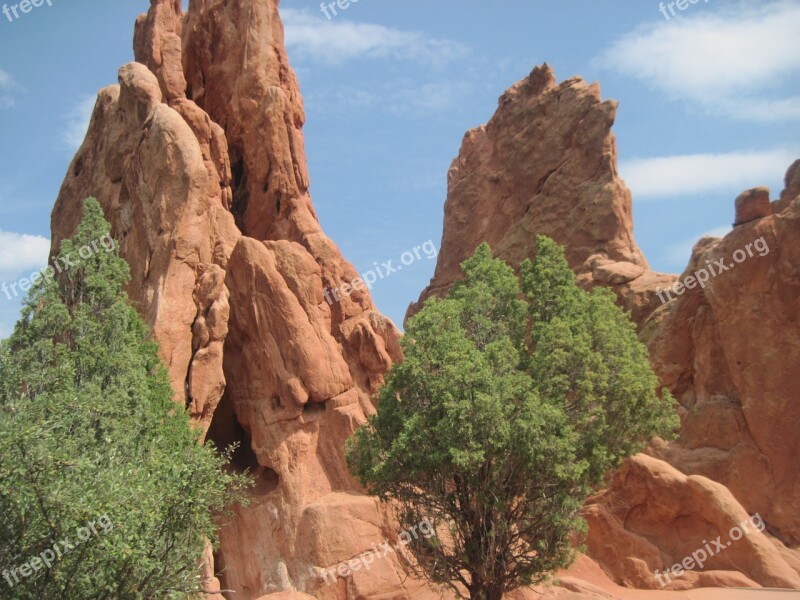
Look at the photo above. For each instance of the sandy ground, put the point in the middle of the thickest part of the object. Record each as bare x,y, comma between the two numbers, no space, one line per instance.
585,580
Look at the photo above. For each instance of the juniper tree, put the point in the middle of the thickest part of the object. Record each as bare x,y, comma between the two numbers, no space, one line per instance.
516,396
89,434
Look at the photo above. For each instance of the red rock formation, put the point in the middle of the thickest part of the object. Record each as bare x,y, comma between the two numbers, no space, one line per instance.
250,343
729,352
157,45
752,205
238,72
652,517
546,164
145,165
197,158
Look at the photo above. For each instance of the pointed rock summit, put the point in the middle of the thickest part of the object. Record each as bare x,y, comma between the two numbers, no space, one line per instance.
545,164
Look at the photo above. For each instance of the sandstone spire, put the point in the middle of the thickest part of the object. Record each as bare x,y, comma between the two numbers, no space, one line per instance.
199,143
545,164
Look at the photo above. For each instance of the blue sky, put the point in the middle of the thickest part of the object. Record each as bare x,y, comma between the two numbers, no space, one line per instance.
709,106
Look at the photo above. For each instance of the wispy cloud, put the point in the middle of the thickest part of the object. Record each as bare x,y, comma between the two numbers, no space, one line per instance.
76,122
311,36
729,62
21,253
667,176
7,86
400,97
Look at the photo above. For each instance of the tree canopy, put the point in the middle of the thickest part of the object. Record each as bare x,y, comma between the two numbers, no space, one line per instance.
516,396
93,446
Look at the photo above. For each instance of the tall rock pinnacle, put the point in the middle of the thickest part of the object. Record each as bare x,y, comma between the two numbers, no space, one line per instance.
197,158
545,164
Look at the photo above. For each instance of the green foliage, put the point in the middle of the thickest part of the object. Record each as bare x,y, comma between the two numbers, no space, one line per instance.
89,433
515,397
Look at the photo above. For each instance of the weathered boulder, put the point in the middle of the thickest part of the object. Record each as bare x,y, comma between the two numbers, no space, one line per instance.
653,517
752,205
616,273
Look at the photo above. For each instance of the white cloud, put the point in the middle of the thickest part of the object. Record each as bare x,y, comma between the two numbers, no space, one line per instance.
334,42
699,173
679,253
7,85
5,79
76,122
722,62
21,254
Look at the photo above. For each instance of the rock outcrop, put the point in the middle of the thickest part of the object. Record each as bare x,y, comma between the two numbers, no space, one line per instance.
144,164
546,164
652,517
197,158
730,354
752,205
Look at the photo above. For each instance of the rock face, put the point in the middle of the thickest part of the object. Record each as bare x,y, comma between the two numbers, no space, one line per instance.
545,164
729,352
237,70
197,159
145,165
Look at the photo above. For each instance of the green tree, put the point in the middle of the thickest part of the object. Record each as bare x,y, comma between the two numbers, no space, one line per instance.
92,445
515,397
